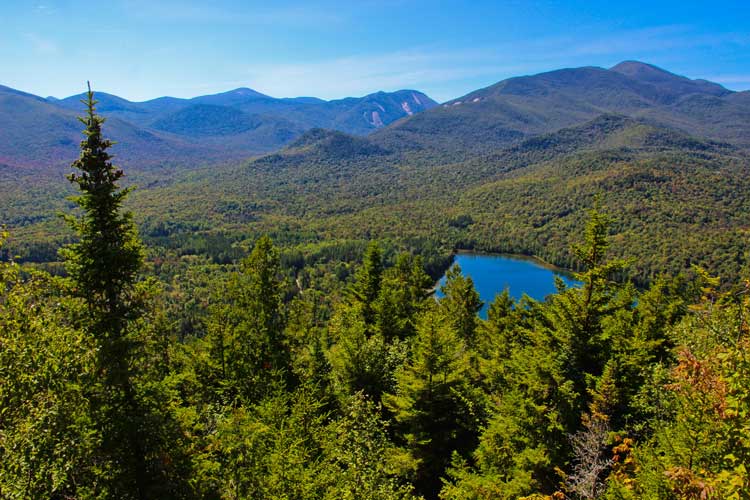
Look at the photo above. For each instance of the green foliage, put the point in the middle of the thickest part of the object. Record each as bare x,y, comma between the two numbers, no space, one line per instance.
461,304
700,447
403,291
361,462
367,281
287,446
48,441
370,332
249,352
361,361
434,405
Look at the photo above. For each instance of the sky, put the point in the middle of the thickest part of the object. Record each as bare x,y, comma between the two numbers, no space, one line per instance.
142,49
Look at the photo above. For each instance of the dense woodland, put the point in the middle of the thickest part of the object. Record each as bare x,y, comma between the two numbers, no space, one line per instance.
294,367
513,168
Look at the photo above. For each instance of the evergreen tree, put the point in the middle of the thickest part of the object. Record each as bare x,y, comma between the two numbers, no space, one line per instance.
366,354
461,304
248,347
139,441
498,332
575,316
402,294
435,406
104,263
361,361
360,461
263,297
367,281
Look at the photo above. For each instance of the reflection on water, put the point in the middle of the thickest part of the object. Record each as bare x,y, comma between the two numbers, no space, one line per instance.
494,273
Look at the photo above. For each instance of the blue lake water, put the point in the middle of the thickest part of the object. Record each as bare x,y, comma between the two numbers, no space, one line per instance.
494,273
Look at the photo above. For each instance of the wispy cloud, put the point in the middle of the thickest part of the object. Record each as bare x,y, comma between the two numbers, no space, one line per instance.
730,78
365,73
182,11
42,45
433,67
44,9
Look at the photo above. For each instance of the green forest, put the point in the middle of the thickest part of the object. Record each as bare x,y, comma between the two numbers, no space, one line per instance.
298,368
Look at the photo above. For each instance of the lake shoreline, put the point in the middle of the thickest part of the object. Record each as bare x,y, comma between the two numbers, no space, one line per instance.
528,260
517,256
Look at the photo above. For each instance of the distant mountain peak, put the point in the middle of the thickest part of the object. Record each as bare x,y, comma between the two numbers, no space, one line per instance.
333,143
245,91
648,73
241,93
636,68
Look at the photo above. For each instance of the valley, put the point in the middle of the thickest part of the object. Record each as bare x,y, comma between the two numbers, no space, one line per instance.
494,175
515,267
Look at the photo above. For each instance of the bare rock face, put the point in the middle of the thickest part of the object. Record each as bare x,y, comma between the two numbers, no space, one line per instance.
376,120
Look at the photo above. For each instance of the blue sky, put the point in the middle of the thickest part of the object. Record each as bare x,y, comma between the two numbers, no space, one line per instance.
141,49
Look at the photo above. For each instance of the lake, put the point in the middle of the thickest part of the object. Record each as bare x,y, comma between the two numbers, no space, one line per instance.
494,273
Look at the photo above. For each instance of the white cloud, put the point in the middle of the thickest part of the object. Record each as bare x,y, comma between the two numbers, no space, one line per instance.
434,69
730,78
42,45
179,10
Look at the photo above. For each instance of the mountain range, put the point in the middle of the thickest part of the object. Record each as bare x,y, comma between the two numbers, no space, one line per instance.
521,107
39,132
509,168
514,168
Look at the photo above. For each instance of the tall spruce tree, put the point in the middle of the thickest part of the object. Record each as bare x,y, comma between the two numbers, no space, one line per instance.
246,328
368,280
435,406
461,304
105,261
134,461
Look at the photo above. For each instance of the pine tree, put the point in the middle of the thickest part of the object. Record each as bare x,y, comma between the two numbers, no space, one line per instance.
461,304
246,328
106,260
403,291
126,401
435,406
104,263
576,315
264,295
367,281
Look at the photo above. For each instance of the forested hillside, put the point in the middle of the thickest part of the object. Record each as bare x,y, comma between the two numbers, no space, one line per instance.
319,365
675,200
510,168
525,106
41,134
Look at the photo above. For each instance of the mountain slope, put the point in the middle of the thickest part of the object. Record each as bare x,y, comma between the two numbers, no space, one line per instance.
675,199
668,83
34,133
354,115
37,132
525,106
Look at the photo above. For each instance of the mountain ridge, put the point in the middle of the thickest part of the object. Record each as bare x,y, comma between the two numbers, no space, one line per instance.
231,125
523,163
524,106
242,122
